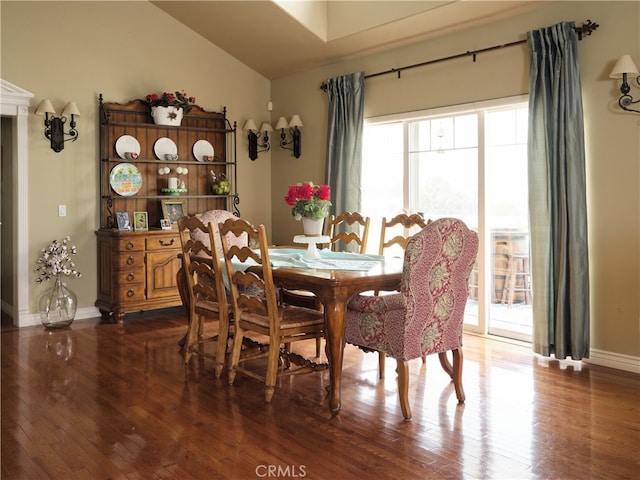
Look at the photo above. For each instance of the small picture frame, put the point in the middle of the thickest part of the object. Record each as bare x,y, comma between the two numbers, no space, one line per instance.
173,210
124,224
140,221
165,224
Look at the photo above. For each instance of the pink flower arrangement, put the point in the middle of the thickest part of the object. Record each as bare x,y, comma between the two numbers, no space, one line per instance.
177,99
309,200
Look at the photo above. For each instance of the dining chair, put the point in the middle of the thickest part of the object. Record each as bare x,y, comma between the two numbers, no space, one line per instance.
398,230
341,230
426,316
257,309
207,298
347,230
394,236
210,216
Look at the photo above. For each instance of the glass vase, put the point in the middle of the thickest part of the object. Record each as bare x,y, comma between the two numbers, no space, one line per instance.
57,305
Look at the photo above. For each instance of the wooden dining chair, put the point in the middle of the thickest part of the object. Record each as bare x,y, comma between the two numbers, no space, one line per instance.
426,316
348,230
210,216
345,230
207,298
394,236
398,230
257,308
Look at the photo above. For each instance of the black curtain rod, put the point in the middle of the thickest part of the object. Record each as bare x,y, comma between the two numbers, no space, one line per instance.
585,29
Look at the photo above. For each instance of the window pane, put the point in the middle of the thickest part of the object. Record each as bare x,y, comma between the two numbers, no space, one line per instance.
382,176
466,131
446,184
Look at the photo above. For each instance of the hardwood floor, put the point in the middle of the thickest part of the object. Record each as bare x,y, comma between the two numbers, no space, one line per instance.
107,401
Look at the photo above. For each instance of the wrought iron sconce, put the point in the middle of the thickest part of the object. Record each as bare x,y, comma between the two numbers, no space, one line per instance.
294,131
253,137
623,67
54,126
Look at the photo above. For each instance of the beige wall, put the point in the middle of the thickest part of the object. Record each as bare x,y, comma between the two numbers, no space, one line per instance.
75,51
612,137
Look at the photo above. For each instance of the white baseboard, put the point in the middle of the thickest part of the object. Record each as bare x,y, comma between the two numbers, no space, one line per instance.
613,360
32,319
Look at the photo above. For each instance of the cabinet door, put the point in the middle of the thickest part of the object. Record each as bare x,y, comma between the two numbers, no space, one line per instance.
162,267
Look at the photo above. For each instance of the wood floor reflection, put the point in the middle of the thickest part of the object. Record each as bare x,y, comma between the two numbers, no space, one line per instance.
106,401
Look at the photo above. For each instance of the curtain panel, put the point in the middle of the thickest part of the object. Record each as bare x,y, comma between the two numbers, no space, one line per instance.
557,195
344,141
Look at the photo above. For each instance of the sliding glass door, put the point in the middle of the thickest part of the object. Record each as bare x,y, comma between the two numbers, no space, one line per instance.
469,163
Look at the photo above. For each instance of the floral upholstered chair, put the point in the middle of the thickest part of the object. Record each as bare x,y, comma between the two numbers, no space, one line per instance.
426,316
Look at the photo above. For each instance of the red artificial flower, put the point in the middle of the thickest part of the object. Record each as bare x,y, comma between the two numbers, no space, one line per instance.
308,200
324,192
290,197
305,191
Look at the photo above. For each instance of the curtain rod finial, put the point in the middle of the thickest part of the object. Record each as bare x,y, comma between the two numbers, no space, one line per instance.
586,29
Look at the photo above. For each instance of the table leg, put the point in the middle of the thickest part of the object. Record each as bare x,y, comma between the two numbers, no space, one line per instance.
335,313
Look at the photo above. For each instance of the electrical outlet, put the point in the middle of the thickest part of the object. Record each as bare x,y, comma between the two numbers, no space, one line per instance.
62,210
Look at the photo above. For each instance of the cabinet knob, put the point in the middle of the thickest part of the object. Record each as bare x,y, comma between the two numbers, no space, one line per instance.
130,293
129,245
131,277
130,260
167,244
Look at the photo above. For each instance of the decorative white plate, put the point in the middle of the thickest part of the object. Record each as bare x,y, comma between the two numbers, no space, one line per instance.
127,143
163,146
125,179
201,149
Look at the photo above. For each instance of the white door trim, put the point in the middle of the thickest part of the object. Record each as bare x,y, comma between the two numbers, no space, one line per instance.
14,102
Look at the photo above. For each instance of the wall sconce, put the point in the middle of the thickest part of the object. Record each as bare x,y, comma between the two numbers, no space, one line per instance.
254,135
54,126
623,67
296,134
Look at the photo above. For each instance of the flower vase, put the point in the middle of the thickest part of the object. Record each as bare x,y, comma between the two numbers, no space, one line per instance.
167,115
312,227
57,305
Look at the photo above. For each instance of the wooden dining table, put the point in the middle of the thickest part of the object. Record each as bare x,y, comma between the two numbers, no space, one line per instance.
333,288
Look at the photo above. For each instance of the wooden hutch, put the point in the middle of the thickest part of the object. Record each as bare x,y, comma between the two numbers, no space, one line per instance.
137,268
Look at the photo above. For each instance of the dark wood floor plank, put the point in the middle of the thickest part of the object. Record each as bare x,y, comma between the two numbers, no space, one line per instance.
107,401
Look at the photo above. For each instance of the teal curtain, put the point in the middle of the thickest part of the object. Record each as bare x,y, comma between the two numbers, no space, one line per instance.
557,195
344,141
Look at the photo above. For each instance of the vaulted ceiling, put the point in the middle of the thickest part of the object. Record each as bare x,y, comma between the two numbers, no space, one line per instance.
280,38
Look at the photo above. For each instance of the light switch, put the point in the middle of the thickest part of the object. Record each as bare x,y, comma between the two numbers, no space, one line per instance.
62,210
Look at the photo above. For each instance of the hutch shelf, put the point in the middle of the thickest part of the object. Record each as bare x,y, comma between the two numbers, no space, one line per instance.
137,268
